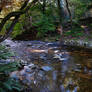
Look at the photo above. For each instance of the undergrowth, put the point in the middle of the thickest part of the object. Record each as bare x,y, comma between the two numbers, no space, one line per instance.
8,84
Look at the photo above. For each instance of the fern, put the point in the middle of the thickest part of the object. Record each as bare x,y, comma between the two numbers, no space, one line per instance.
8,84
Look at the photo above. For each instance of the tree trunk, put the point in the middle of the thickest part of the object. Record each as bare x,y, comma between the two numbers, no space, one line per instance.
44,6
67,6
60,10
61,14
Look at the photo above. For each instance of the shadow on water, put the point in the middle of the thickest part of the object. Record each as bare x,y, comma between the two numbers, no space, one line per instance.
71,73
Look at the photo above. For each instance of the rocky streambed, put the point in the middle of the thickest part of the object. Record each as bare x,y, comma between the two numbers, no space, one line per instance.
47,67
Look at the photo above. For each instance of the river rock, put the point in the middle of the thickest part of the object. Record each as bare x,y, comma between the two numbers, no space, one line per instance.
46,68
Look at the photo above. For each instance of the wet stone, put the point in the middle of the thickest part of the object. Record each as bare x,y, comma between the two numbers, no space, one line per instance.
31,65
23,62
28,75
28,70
77,70
29,44
46,68
41,73
79,66
43,56
60,57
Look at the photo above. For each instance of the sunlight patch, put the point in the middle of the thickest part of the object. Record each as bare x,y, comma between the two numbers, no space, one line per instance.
37,51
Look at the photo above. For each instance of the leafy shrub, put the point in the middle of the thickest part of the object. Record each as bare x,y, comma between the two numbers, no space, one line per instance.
75,32
7,84
44,25
5,53
18,29
79,7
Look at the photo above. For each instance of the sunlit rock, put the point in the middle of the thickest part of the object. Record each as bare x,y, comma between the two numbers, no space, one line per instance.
56,51
30,65
60,57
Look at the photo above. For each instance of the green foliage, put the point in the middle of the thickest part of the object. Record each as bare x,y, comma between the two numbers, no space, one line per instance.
79,8
8,84
45,25
5,53
75,32
18,29
6,26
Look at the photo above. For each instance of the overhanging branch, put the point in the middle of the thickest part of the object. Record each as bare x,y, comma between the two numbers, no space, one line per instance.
17,14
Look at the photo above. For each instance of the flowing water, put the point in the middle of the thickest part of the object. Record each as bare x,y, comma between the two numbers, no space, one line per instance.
60,70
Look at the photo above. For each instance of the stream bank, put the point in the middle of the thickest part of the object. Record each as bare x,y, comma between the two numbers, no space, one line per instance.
78,44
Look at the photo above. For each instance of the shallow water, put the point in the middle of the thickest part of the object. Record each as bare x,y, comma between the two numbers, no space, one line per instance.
56,70
73,73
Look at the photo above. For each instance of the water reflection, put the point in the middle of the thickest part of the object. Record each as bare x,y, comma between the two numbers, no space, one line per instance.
71,75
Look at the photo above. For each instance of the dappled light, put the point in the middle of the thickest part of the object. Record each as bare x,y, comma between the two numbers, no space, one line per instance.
37,50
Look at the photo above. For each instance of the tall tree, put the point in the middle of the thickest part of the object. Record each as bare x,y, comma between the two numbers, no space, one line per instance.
60,9
67,6
61,13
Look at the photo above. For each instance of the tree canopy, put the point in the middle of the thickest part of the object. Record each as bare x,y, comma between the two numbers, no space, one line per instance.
45,13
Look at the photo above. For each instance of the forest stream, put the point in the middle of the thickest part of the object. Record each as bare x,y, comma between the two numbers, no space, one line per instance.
51,68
